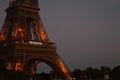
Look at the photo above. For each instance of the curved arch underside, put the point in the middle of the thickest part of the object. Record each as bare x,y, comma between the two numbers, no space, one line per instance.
54,62
23,39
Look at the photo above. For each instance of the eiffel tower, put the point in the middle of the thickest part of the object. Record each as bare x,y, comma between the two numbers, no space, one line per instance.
24,42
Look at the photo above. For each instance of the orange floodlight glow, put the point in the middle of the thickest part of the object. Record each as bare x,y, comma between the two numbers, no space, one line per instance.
18,66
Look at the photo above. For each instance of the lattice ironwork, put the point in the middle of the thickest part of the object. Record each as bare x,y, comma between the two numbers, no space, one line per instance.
23,39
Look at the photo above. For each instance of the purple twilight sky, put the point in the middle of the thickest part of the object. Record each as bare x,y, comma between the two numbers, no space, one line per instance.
86,32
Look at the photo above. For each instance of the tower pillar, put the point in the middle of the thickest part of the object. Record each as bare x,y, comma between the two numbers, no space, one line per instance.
23,40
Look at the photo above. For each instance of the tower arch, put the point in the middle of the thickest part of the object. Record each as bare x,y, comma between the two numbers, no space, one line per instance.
33,62
23,39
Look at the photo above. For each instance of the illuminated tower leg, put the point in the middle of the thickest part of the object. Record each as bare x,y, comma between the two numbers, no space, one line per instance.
62,67
23,39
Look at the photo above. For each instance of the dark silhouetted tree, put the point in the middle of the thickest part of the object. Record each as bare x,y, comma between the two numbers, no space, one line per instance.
116,73
77,74
93,74
105,71
57,75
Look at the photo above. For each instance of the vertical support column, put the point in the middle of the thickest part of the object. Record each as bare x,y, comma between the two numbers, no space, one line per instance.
18,65
32,68
9,65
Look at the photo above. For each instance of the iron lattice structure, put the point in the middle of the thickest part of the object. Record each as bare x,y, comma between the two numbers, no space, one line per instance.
24,42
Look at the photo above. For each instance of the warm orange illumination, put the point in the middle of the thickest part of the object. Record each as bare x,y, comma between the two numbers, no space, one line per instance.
9,66
1,36
19,29
32,69
43,35
18,66
64,69
19,32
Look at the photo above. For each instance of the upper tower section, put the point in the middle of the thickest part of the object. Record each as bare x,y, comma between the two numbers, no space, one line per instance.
23,22
31,3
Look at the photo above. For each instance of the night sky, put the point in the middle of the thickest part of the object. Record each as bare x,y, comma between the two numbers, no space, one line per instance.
86,32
